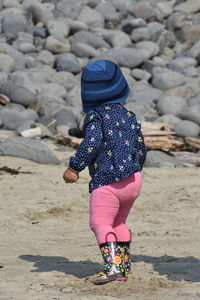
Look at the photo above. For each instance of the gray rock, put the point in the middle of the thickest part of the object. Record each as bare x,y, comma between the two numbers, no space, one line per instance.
125,57
40,12
66,79
195,50
188,32
14,23
190,72
166,39
91,17
18,94
74,98
117,38
128,25
14,115
26,125
16,55
69,9
165,79
66,117
180,63
39,43
122,6
187,128
90,38
159,159
55,46
194,101
148,49
67,62
76,26
144,10
170,119
164,10
47,58
26,48
7,63
144,93
50,92
83,50
191,114
188,7
49,108
59,29
140,34
143,111
171,105
140,74
155,28
187,91
29,149
108,11
40,32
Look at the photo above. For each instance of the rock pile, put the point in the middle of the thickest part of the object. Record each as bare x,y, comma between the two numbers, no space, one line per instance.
44,44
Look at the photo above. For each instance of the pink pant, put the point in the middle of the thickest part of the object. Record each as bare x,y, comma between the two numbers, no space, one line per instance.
110,206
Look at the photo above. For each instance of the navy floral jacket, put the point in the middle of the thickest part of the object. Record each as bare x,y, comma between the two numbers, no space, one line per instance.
113,146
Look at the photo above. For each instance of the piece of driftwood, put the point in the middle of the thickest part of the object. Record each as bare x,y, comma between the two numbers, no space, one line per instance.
31,133
6,134
162,142
5,170
193,142
155,126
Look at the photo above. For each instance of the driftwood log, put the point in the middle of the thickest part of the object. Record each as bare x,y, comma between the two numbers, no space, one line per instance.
193,142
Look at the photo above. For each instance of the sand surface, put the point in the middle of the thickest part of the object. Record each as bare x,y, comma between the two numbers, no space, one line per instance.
47,249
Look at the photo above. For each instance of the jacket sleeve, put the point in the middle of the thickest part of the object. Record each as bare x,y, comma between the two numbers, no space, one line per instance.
89,147
142,151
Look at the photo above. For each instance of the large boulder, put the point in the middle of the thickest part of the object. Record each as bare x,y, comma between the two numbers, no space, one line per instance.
14,115
125,57
29,149
187,128
165,79
171,105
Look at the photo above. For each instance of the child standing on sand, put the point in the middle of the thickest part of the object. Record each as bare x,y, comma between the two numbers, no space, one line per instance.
114,151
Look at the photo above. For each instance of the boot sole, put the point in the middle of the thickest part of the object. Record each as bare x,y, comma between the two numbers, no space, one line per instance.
104,281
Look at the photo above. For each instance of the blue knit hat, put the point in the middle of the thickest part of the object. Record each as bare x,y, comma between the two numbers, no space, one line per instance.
102,82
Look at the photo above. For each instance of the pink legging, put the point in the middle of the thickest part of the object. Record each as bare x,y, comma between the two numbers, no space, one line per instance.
110,206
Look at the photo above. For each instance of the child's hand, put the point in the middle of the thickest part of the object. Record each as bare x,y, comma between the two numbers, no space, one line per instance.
70,175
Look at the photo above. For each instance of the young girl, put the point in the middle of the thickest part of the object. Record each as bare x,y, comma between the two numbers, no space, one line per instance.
114,151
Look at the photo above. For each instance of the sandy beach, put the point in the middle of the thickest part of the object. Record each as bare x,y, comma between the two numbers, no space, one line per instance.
47,249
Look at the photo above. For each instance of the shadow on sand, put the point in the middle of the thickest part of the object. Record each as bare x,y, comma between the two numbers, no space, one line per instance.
80,269
176,268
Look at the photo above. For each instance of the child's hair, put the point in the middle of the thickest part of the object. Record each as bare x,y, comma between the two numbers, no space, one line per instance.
102,82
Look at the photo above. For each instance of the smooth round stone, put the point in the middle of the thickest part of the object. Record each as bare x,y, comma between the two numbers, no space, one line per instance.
187,128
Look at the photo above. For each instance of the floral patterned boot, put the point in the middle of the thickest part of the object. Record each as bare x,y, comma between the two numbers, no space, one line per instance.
127,260
113,269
